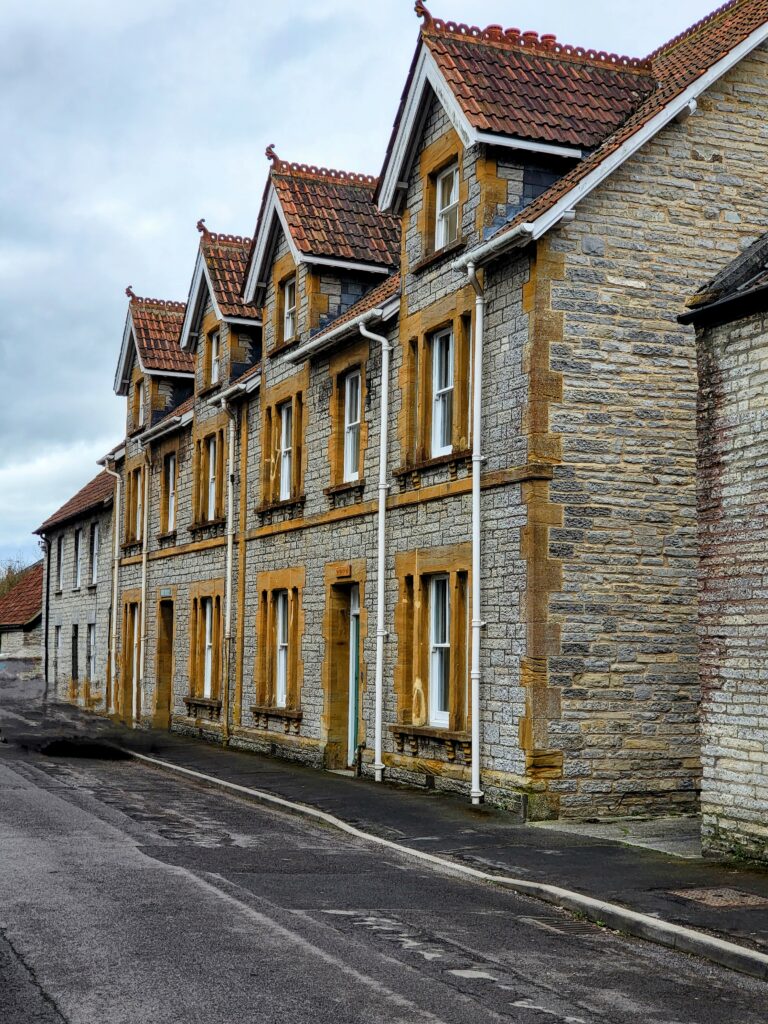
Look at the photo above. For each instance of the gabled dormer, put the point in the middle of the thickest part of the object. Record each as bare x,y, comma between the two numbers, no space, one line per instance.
153,373
489,120
220,332
320,244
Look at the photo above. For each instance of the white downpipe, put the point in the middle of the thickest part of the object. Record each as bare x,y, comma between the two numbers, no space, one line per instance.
139,684
228,577
477,463
381,631
115,587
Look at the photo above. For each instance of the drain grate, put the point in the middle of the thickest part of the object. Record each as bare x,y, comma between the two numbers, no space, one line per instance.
721,897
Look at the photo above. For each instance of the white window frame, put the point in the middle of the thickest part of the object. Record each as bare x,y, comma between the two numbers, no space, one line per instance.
139,524
56,652
207,603
442,393
210,511
91,643
286,450
94,553
352,422
170,492
281,648
141,410
439,643
289,308
78,558
215,357
59,561
443,213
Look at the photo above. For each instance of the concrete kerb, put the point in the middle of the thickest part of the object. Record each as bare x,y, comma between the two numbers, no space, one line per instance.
687,940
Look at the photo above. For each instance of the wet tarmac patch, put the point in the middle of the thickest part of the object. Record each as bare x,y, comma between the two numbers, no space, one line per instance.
85,749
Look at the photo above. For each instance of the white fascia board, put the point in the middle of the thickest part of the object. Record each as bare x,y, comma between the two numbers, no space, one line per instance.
425,73
114,456
122,374
251,321
329,261
384,312
169,428
194,302
677,106
272,209
513,142
170,373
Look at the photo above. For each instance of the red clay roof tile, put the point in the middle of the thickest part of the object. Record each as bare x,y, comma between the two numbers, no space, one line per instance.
331,214
96,493
676,66
156,328
226,258
24,602
532,87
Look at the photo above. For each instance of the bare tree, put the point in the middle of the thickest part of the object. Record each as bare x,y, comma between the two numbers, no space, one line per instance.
11,571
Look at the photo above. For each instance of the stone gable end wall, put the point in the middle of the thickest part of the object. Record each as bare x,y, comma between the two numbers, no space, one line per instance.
733,625
627,669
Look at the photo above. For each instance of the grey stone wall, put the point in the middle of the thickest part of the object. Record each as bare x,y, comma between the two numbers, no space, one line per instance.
670,218
733,543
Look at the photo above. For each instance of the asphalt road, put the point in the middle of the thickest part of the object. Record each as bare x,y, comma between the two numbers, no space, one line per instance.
127,895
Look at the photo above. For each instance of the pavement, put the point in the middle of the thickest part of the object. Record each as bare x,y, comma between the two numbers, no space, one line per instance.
648,867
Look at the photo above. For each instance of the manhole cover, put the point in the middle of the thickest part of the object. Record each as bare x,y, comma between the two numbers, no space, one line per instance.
721,897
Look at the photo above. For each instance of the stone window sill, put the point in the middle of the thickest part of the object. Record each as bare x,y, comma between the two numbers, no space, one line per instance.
290,505
413,470
92,586
203,707
437,255
452,740
214,525
353,488
168,535
290,717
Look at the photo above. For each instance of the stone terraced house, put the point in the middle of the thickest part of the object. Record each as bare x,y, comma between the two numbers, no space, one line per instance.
411,488
78,593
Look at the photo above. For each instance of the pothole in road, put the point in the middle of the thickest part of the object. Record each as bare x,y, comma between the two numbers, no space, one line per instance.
85,749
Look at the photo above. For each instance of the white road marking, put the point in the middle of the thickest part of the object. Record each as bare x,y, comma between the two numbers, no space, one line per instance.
473,974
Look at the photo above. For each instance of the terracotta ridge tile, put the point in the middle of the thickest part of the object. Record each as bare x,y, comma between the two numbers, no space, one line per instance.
545,45
297,170
220,239
140,300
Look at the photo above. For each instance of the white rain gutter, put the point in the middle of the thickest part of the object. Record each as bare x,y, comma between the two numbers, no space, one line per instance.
477,623
115,585
322,341
681,107
381,629
139,685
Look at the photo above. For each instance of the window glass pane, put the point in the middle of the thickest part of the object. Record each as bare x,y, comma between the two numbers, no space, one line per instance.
208,653
286,446
440,651
211,477
281,694
352,426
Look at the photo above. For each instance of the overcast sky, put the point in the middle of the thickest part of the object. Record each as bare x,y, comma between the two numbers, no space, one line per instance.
126,120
